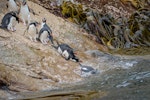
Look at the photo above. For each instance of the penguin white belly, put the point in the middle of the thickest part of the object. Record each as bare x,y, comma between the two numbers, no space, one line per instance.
59,50
42,25
12,6
32,30
65,54
32,33
25,14
12,24
44,37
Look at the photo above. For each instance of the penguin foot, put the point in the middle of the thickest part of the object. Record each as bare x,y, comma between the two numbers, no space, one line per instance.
13,30
43,42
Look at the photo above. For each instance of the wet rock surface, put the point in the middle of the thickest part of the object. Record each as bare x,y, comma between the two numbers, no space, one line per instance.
119,78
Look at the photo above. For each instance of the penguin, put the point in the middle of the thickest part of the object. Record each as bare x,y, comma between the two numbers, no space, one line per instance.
32,31
44,36
66,51
9,21
12,6
45,33
44,24
25,13
87,69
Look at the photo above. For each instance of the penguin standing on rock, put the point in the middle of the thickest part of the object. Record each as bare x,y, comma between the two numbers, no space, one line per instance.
32,31
12,6
44,25
45,33
9,21
66,51
25,13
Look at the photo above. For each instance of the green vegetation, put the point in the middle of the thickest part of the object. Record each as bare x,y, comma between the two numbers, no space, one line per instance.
114,33
137,3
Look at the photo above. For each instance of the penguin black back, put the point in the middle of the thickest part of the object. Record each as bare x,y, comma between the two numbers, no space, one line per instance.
62,46
72,55
34,23
66,51
65,47
46,26
45,33
42,30
6,19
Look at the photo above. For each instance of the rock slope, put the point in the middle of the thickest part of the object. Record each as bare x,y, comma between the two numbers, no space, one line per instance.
31,66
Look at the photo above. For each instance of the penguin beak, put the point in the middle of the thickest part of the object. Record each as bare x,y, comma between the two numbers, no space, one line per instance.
51,39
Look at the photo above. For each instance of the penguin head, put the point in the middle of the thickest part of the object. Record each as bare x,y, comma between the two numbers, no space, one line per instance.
74,58
51,39
44,20
15,14
24,2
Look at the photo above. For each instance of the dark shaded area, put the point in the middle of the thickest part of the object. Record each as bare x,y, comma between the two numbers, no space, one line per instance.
3,85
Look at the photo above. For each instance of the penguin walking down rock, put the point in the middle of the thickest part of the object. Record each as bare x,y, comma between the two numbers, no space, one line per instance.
44,24
44,36
45,33
9,21
25,13
32,32
66,51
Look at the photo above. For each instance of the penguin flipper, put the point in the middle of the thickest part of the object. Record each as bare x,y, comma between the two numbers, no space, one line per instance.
51,39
